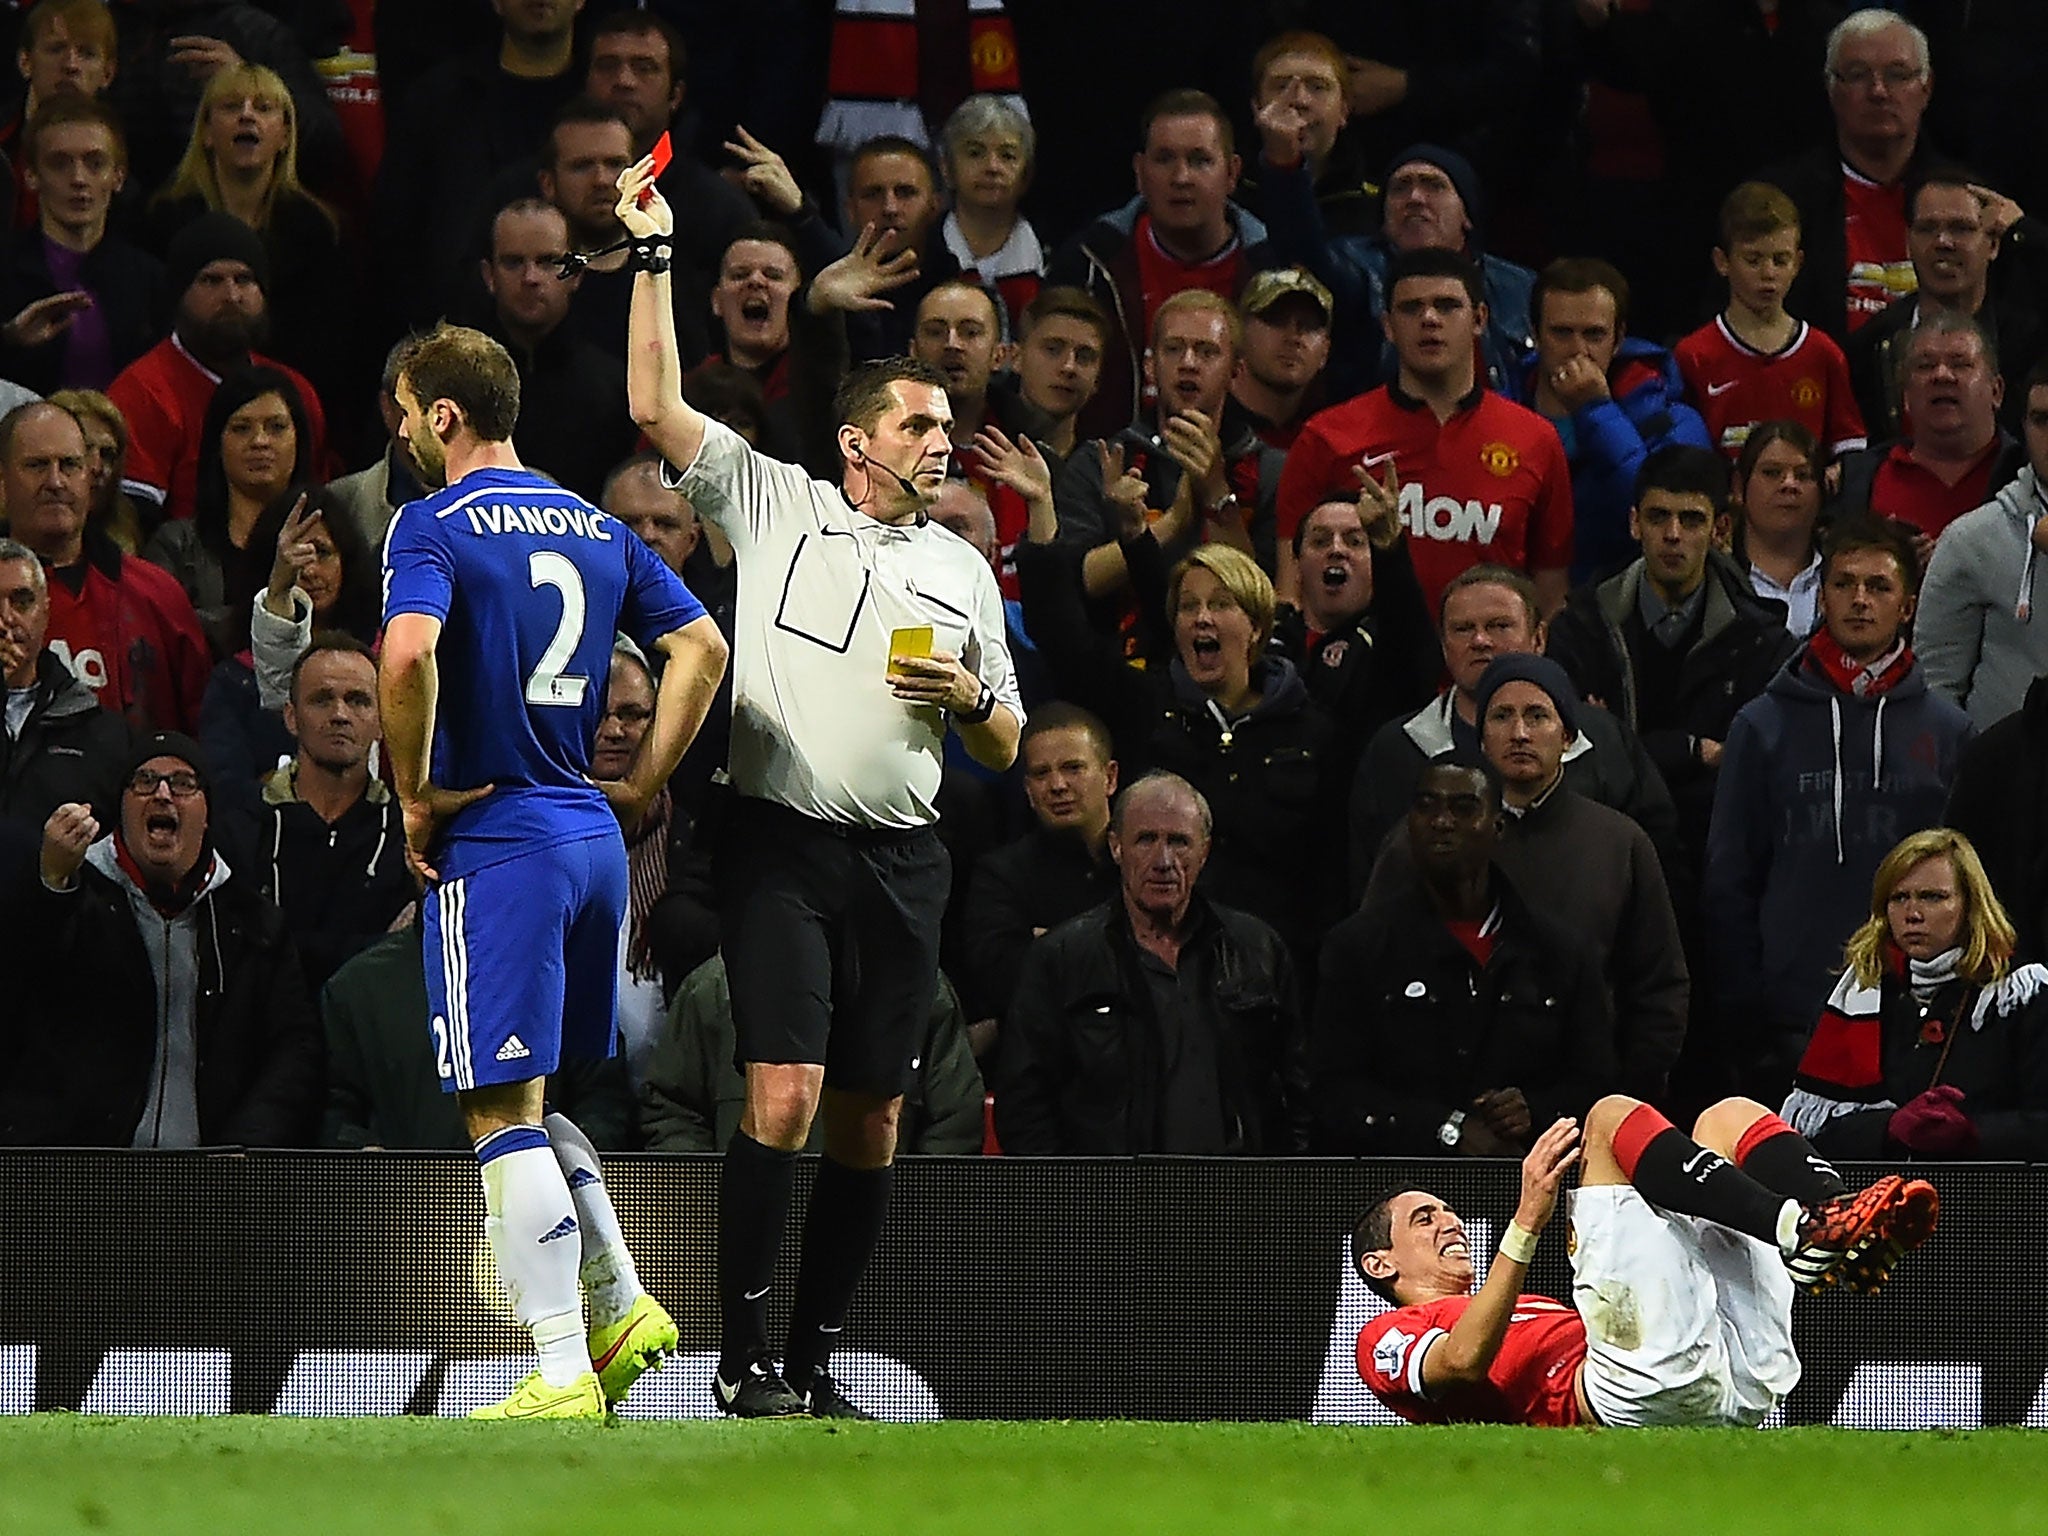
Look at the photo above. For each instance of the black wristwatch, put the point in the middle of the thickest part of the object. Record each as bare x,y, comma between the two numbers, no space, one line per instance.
983,708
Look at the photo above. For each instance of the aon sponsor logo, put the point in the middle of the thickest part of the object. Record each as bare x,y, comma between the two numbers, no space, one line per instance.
1447,518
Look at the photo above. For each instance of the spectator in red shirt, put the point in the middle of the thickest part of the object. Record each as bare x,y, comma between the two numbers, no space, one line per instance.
1181,231
1957,457
124,627
1481,480
217,273
1753,362
1286,313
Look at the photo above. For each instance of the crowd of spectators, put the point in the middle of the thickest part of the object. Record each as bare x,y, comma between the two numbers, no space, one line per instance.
1522,574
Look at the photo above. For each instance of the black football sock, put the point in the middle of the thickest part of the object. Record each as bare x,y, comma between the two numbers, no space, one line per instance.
753,1203
1675,1173
1779,1158
847,1208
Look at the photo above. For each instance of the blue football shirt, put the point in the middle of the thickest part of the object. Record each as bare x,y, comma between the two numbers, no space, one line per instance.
530,583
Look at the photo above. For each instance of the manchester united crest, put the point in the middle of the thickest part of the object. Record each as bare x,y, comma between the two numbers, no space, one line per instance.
1806,394
1500,459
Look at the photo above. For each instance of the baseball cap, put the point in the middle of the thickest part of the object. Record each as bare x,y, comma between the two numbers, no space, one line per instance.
1271,286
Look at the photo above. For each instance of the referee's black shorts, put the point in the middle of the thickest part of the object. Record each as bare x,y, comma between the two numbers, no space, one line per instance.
831,942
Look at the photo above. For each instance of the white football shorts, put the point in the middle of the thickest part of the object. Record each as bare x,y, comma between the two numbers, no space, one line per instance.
1687,1322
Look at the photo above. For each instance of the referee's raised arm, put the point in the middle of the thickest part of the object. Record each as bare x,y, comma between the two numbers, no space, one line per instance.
654,370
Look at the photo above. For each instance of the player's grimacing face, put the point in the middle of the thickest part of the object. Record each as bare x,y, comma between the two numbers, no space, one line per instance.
1427,1250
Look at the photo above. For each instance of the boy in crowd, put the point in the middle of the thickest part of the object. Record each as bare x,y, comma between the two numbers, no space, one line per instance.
1754,362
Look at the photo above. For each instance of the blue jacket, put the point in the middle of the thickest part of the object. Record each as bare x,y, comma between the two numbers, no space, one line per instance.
1607,442
1791,857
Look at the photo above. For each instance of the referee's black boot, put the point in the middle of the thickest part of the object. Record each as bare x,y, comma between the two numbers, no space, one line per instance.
823,1400
760,1393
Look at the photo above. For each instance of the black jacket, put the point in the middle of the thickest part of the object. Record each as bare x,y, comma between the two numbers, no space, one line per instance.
79,1033
1082,1048
573,422
1409,1027
1999,800
1600,640
69,750
340,885
1819,295
126,284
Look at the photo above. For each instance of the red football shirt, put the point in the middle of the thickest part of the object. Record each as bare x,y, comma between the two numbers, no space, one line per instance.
1532,1380
1874,232
1911,493
1737,387
1489,485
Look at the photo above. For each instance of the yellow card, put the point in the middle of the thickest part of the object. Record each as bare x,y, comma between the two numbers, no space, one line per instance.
913,641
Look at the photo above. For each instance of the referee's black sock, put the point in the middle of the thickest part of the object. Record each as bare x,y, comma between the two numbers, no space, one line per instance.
847,1208
1675,1173
1779,1158
753,1202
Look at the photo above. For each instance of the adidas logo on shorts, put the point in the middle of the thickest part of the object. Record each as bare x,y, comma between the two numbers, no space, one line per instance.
514,1049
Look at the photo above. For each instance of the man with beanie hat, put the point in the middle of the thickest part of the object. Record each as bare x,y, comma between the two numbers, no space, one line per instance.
166,1007
1431,199
1590,868
217,275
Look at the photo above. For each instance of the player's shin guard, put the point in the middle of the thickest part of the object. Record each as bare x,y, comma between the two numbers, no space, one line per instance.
1672,1171
609,1278
531,1223
845,1220
753,1204
1781,1159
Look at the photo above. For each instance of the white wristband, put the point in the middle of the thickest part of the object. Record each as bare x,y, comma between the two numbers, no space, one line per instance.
1518,1243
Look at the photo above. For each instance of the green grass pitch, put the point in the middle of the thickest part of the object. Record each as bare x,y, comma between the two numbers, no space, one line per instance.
398,1477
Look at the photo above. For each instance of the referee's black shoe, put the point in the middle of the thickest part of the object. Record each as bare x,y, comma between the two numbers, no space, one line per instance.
760,1392
822,1398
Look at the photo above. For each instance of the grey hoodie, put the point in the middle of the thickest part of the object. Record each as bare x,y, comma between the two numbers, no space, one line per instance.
170,1118
1981,634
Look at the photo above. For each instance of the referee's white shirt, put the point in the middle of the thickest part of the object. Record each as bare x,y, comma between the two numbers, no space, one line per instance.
821,587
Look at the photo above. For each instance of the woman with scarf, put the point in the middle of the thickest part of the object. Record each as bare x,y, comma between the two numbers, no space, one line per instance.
1932,1045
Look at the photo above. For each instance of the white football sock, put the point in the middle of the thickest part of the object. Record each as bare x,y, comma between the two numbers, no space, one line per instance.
609,1279
1789,1215
532,1229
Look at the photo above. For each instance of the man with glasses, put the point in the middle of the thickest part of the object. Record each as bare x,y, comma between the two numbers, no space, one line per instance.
166,1007
1851,194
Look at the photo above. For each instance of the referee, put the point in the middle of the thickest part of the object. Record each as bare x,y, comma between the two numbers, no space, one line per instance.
863,632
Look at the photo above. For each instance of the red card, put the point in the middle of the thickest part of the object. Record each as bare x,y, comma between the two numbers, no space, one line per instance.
663,153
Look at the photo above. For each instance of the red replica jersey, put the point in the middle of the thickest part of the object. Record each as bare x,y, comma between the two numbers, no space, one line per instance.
1905,491
1874,230
1490,485
1737,387
1533,1379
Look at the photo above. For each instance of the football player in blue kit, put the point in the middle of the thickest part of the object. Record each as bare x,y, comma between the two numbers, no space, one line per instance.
502,596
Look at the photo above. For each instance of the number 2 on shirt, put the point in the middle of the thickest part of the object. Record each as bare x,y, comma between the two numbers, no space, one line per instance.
546,684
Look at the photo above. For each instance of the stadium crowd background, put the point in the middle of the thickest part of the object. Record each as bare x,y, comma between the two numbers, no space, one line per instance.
1708,480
